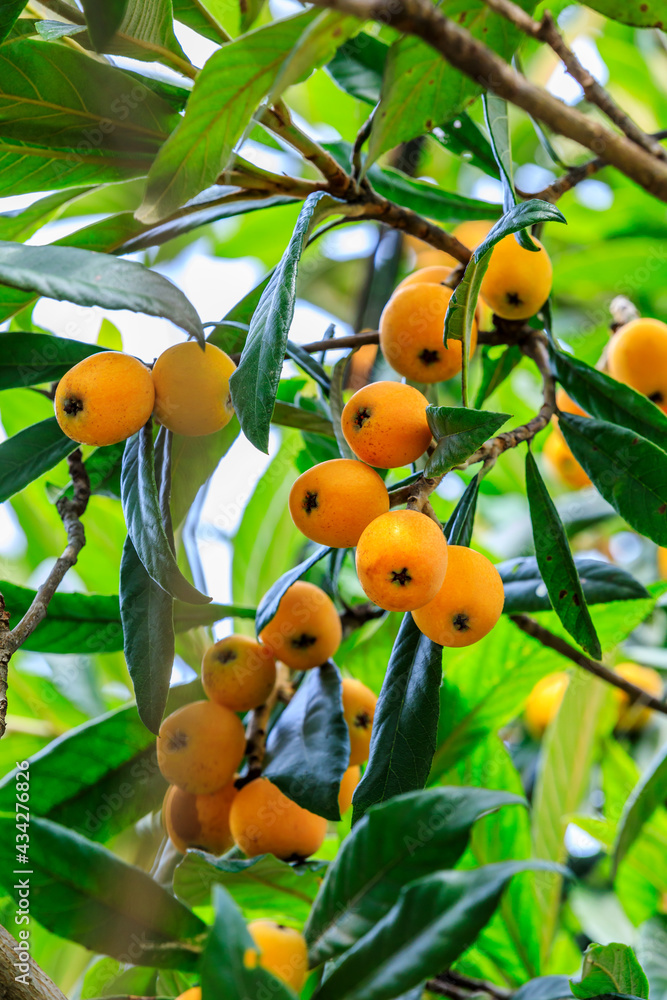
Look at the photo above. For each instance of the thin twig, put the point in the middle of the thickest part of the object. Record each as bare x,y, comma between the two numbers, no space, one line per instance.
547,31
551,641
278,119
257,729
70,513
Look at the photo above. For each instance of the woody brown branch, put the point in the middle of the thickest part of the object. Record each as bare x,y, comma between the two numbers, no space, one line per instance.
39,987
636,694
258,726
70,511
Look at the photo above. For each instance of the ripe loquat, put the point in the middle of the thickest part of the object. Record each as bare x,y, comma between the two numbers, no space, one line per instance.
200,746
238,673
468,604
333,502
199,820
634,717
411,334
401,560
192,394
385,424
104,399
192,994
348,784
567,405
264,821
436,274
662,563
559,456
543,703
305,631
517,281
637,356
359,711
282,952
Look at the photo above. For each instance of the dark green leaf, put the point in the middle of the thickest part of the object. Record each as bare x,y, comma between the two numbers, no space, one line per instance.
83,892
28,454
255,382
395,843
459,528
250,11
84,624
556,563
141,506
463,137
231,333
305,420
605,398
309,365
337,404
427,198
636,12
406,720
314,47
459,433
225,96
11,10
434,920
20,224
103,20
90,279
308,749
96,779
103,468
187,616
629,471
146,612
225,972
358,66
610,968
602,582
495,370
33,358
497,122
645,797
268,606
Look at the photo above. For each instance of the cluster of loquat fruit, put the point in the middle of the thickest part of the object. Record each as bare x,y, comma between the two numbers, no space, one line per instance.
109,396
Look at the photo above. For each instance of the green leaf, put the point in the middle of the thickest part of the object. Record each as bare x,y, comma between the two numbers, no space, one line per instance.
103,20
309,365
268,606
96,779
395,843
231,332
556,564
9,14
337,404
28,454
307,421
427,198
198,17
250,11
358,65
629,471
610,968
308,749
193,462
464,137
95,279
603,582
652,955
84,624
223,967
146,613
635,12
545,988
22,224
459,433
254,384
147,32
315,46
495,370
145,525
646,796
406,720
83,892
258,885
33,358
497,122
434,920
459,528
607,399
226,94
187,616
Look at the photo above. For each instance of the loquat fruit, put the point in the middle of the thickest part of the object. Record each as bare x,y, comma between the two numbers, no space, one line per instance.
200,746
359,372
305,631
517,281
662,563
264,821
401,560
282,952
192,394
543,703
567,405
199,820
104,399
411,334
348,784
385,424
359,711
468,604
436,274
632,717
637,356
192,994
238,672
333,502
559,456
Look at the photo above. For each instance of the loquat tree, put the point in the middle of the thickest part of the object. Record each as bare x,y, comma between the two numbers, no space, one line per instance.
333,474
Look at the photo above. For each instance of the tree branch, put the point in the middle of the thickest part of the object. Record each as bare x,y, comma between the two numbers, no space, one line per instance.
459,987
70,513
257,729
424,20
551,641
546,31
40,987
